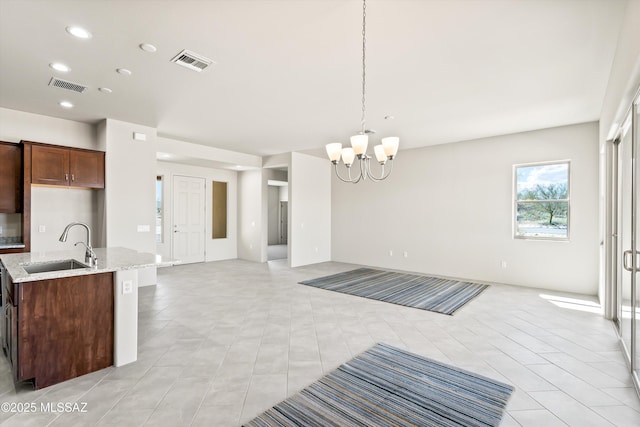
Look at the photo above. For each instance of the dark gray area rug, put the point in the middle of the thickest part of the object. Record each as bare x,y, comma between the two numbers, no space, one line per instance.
427,293
386,386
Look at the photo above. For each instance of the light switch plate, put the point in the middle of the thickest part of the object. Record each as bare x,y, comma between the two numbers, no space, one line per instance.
144,228
139,136
42,229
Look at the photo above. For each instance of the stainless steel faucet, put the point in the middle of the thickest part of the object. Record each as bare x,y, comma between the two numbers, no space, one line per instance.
89,256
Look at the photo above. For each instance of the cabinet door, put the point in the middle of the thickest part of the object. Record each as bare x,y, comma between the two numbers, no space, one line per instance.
49,165
10,178
86,168
65,327
12,338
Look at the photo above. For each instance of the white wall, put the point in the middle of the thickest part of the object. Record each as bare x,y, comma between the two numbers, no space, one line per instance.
54,208
216,249
310,205
274,214
251,218
283,193
624,81
130,176
450,208
189,152
19,125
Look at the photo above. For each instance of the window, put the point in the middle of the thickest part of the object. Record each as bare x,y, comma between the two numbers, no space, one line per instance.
159,233
219,210
541,201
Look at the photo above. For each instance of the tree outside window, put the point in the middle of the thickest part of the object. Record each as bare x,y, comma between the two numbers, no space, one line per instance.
542,201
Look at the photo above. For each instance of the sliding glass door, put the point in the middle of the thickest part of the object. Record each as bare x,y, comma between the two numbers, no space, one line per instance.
626,236
635,283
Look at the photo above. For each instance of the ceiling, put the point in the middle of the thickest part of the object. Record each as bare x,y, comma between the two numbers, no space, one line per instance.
287,73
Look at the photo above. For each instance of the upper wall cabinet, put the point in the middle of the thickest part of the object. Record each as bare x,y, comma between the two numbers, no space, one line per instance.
10,178
51,165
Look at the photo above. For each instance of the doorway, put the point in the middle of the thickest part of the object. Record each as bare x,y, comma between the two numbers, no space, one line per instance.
278,219
188,241
284,222
625,236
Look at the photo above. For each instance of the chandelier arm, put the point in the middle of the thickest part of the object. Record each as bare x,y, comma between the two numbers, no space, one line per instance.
364,162
338,173
383,175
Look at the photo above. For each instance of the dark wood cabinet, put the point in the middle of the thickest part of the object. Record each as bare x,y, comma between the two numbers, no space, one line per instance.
86,168
60,328
52,165
49,165
10,177
9,322
12,340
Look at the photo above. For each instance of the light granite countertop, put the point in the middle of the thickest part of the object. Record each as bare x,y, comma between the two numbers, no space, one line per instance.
109,260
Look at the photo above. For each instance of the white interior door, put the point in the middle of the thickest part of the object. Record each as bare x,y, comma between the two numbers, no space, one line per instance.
188,219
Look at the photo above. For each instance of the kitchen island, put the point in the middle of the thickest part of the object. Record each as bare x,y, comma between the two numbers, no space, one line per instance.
63,319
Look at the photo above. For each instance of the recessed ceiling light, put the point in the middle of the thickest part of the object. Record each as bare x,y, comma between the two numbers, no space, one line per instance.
65,104
124,71
105,90
79,32
147,47
58,66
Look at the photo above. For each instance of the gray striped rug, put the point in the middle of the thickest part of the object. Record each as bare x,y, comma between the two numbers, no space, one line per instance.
427,293
386,386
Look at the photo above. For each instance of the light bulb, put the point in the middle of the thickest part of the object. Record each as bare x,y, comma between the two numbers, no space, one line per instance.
333,151
359,143
390,145
348,154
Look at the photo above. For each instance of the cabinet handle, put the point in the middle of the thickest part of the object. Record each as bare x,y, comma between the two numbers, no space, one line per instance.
73,177
66,177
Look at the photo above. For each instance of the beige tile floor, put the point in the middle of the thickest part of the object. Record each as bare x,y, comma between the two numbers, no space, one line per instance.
221,342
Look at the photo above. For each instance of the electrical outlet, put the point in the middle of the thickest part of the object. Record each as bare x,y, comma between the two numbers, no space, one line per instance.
390,252
503,264
127,287
144,228
406,254
42,229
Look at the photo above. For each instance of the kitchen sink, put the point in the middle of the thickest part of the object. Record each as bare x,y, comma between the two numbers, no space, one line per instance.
44,267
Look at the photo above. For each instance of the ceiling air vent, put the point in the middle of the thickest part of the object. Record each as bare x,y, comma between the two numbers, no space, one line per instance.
63,84
191,60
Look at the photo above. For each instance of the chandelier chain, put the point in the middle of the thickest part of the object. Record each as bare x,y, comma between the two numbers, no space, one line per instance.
357,153
364,56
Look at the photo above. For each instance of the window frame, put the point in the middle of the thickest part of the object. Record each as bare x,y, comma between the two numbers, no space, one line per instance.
515,203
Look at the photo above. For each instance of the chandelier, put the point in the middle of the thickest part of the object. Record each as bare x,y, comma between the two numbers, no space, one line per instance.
384,152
